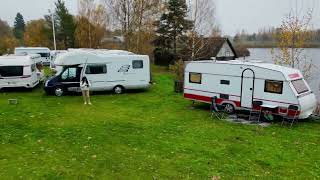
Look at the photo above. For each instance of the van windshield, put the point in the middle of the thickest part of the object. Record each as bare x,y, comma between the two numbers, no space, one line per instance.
300,86
11,71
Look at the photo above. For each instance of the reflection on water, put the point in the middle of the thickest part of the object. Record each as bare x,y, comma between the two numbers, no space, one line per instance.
264,54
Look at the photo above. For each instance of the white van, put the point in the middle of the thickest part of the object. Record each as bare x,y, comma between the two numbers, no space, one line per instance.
19,71
44,52
238,85
104,71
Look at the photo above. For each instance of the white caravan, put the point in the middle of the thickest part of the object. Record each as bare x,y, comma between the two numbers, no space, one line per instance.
19,71
44,52
239,85
104,71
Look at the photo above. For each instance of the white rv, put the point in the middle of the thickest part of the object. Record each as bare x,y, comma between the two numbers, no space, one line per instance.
19,71
42,51
104,71
239,85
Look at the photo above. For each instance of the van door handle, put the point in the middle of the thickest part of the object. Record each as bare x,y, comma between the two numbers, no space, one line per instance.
251,89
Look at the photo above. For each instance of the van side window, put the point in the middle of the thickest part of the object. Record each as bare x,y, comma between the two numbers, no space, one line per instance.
225,82
44,54
137,64
69,74
96,69
195,78
271,86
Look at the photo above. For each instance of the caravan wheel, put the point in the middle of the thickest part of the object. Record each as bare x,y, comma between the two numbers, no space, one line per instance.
118,90
58,91
229,108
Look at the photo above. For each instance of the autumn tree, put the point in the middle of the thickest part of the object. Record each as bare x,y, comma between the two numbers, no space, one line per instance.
135,19
291,39
36,34
91,24
7,40
19,27
202,14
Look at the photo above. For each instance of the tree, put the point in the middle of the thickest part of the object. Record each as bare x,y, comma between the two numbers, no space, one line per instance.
135,19
65,25
37,33
19,27
291,39
7,40
172,25
91,24
202,13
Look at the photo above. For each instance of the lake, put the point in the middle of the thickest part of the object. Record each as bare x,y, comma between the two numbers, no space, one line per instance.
264,54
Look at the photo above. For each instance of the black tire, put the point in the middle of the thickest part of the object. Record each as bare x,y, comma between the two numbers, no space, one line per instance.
118,89
229,108
59,91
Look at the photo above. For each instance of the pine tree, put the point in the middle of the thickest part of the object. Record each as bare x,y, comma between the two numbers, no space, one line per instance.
19,26
65,25
172,25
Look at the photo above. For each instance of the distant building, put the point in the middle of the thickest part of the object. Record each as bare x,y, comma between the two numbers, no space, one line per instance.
113,39
113,42
222,49
211,48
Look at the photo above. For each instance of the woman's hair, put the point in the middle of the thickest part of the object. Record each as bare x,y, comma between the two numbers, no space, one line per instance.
84,79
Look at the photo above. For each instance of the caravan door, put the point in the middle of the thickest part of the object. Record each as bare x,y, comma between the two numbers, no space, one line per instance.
247,88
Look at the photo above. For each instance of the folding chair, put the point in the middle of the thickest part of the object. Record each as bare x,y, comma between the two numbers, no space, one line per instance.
217,111
291,115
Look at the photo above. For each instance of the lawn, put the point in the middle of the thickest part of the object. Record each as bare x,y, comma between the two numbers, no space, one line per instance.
154,134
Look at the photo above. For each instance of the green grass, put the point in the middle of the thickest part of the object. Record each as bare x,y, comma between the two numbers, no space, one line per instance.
145,135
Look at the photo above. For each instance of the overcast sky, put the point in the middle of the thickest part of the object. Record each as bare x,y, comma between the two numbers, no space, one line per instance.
232,15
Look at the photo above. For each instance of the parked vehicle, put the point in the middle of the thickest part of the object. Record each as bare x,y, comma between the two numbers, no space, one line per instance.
44,52
104,71
19,71
239,85
54,55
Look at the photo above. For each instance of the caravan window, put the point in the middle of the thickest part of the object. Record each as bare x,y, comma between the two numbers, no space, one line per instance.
195,78
11,71
225,82
96,69
137,64
300,86
273,86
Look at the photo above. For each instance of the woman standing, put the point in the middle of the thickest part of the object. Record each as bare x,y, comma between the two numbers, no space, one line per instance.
85,87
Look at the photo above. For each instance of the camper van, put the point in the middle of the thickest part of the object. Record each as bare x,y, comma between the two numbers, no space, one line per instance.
239,85
19,71
104,71
42,51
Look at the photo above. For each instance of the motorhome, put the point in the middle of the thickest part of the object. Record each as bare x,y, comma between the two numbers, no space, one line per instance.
104,71
239,85
44,52
56,65
19,71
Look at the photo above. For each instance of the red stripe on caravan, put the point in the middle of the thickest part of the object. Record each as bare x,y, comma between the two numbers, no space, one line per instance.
198,97
275,101
208,99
